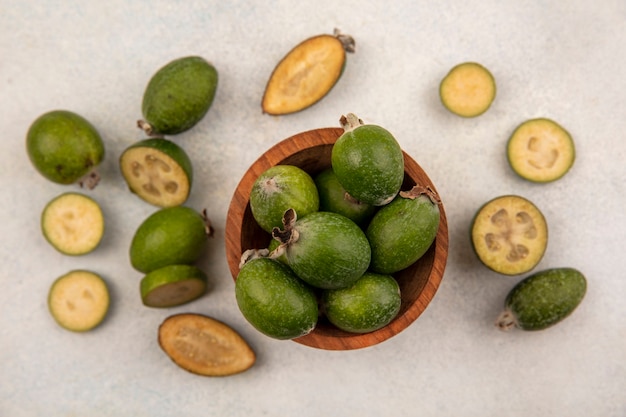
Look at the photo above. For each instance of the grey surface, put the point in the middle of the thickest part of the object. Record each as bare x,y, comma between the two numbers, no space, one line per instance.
563,60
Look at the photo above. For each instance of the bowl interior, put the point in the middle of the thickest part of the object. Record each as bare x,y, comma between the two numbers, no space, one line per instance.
311,151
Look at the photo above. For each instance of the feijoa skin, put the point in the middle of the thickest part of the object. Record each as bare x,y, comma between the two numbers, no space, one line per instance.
367,305
278,189
178,96
324,249
368,162
172,285
403,230
65,148
274,300
543,299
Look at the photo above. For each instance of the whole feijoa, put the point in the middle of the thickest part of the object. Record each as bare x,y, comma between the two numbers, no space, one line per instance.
65,148
368,161
367,305
274,300
324,249
279,188
543,299
178,96
169,236
403,230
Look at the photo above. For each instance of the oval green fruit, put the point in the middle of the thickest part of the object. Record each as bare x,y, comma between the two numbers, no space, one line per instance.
172,285
543,299
65,148
278,189
178,96
368,162
403,230
324,249
367,305
274,300
170,236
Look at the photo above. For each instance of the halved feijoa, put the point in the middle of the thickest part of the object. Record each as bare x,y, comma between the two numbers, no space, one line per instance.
79,300
540,150
65,148
543,299
306,74
178,96
173,285
509,235
158,171
368,161
468,89
73,223
204,346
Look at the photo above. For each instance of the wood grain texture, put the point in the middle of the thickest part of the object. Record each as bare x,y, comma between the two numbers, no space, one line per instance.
311,151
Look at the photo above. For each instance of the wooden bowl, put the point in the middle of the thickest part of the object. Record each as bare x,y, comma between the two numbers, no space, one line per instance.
311,151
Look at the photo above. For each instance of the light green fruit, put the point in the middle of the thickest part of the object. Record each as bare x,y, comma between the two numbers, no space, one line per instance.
65,148
368,162
543,299
158,171
173,285
370,303
170,236
274,300
278,189
178,96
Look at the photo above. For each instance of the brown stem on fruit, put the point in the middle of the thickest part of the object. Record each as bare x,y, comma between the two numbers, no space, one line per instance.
419,190
506,320
351,199
347,41
251,254
208,228
350,122
145,126
289,234
90,181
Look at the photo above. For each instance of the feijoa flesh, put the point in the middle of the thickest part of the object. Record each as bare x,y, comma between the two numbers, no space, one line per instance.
278,189
204,346
272,298
402,231
540,150
324,249
73,223
468,89
509,234
543,299
368,161
172,285
178,96
169,236
65,148
158,171
306,74
372,302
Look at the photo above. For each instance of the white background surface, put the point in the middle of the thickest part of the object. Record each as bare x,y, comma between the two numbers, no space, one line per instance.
557,59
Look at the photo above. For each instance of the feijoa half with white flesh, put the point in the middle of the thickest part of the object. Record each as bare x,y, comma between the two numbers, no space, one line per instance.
509,235
73,223
540,150
543,299
172,286
367,161
468,89
306,74
204,346
158,171
79,300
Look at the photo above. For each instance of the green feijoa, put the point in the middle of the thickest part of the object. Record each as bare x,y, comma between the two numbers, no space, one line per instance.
169,236
172,285
178,96
280,254
403,230
543,299
333,197
274,300
368,161
279,188
324,249
65,148
367,305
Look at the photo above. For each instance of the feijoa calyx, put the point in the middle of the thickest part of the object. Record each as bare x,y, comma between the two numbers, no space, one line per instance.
65,148
178,96
543,299
368,161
